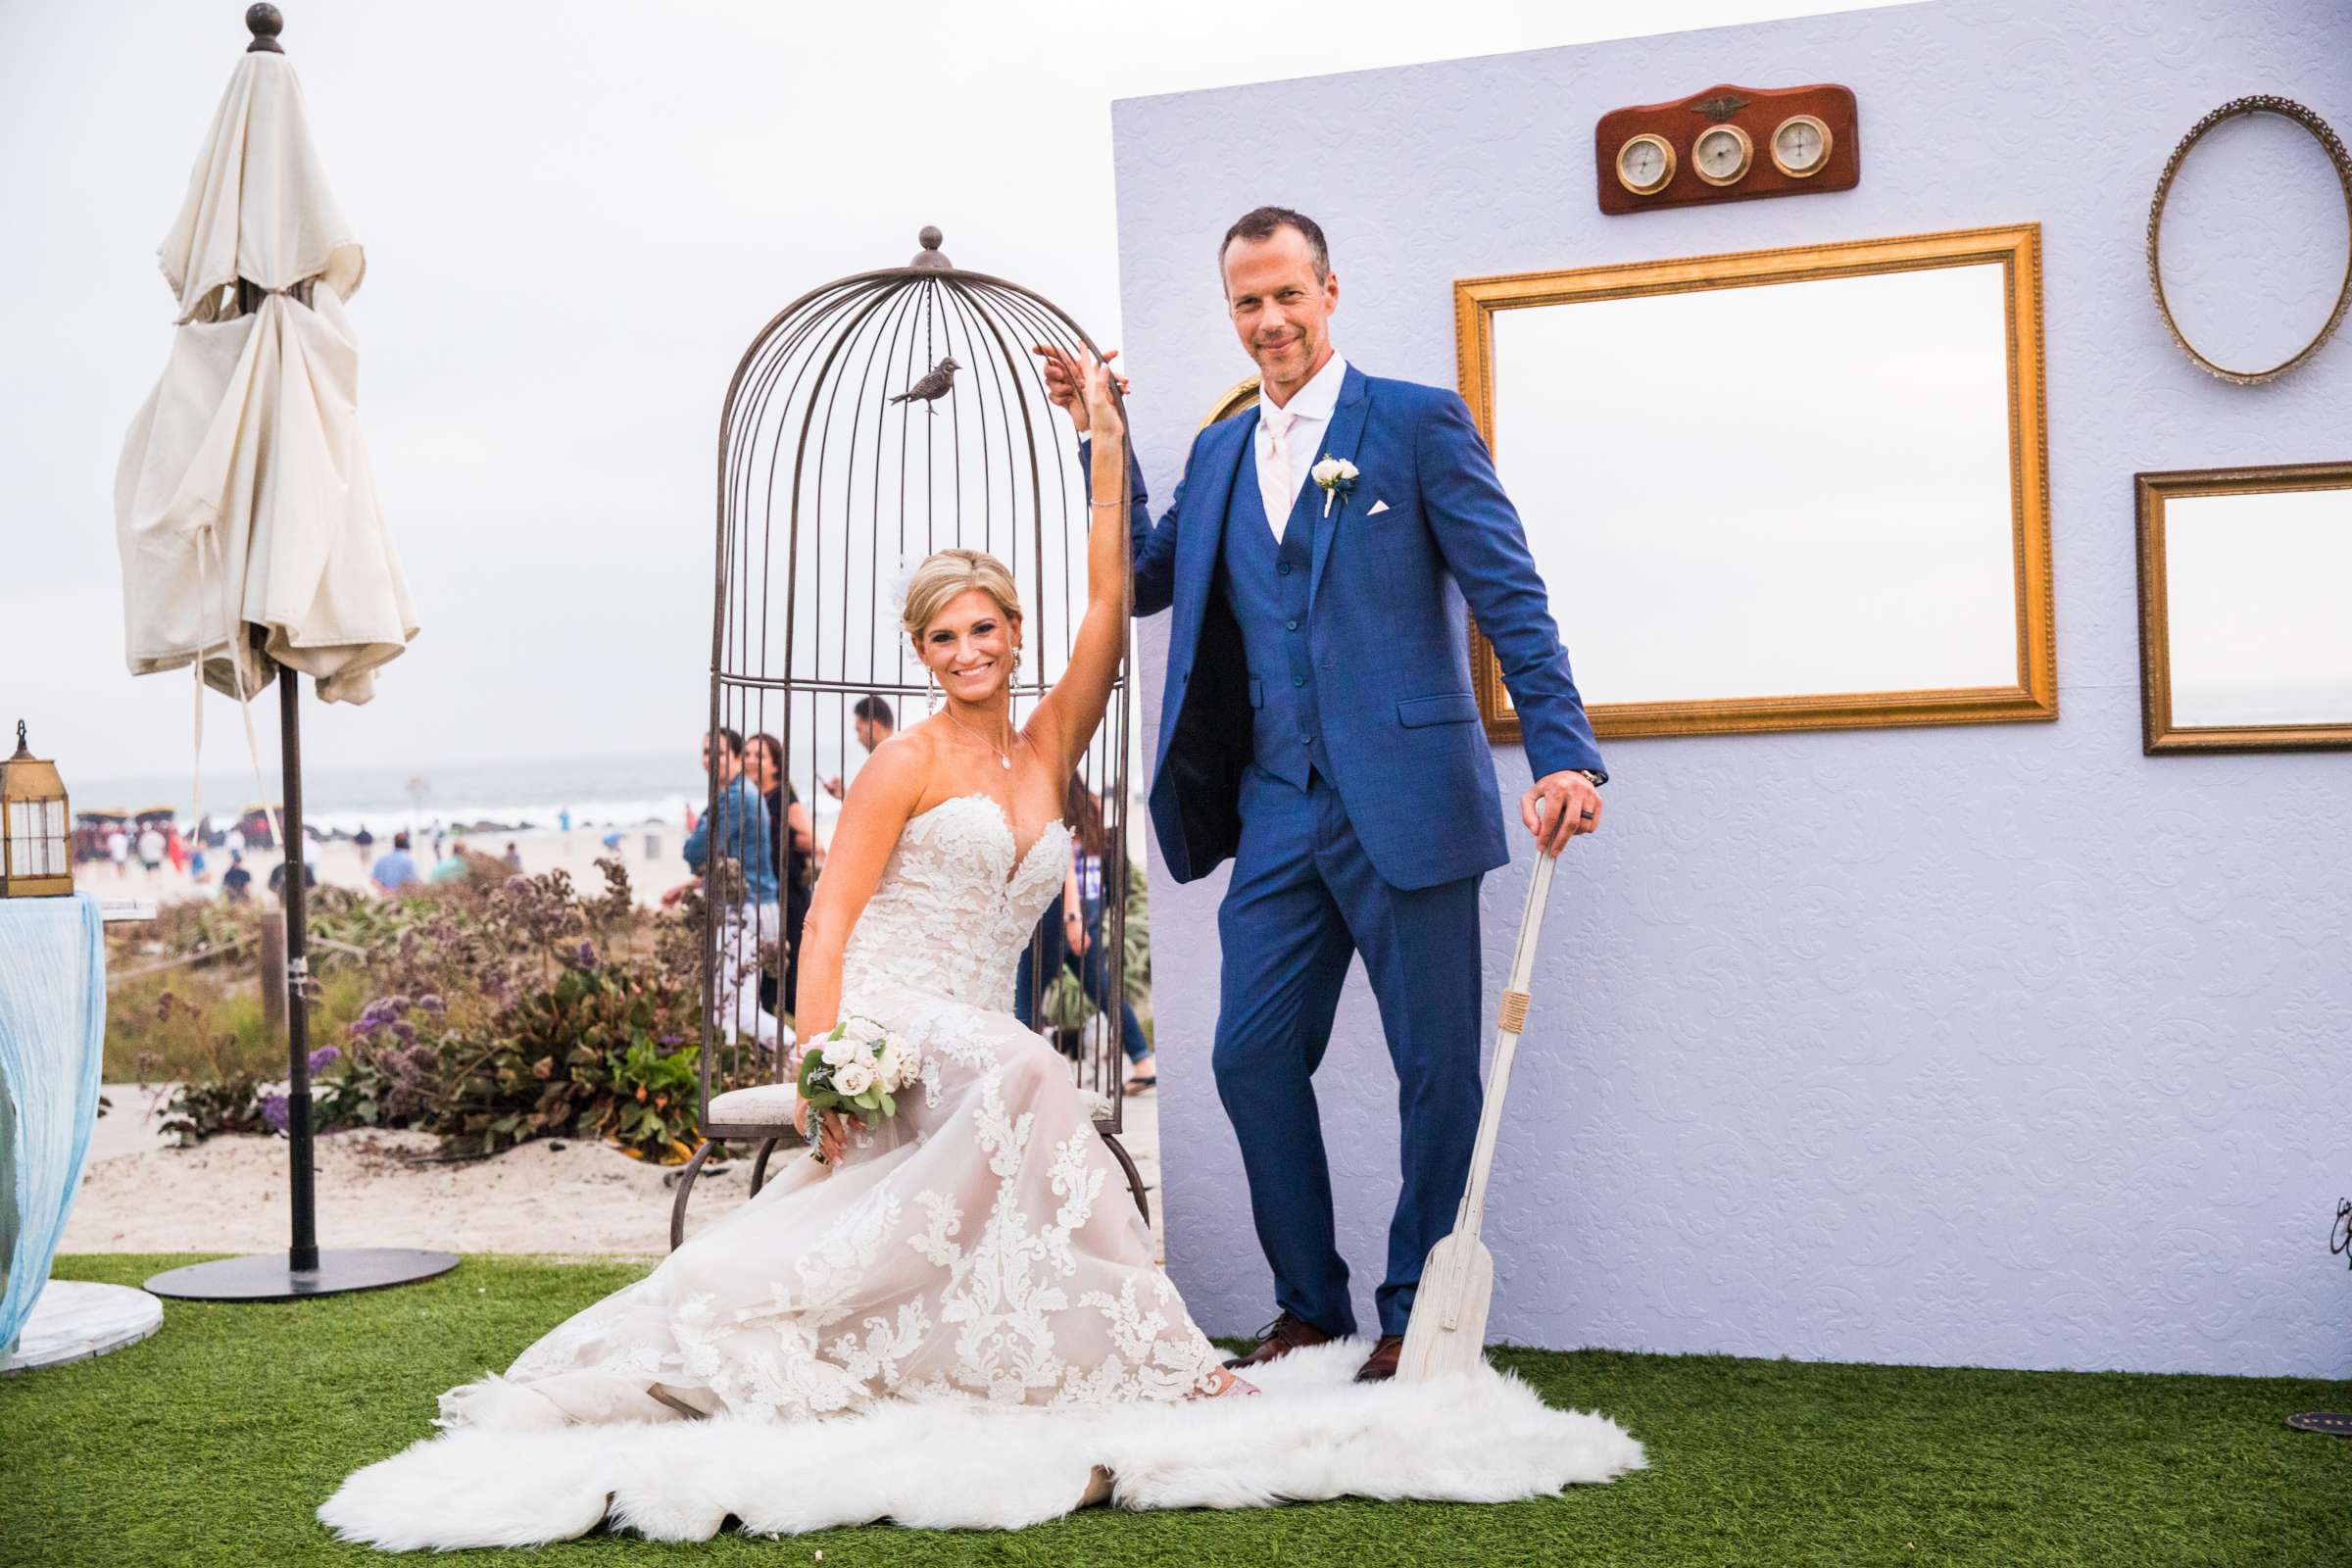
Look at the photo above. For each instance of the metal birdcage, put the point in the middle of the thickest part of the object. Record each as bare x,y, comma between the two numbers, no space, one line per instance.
833,482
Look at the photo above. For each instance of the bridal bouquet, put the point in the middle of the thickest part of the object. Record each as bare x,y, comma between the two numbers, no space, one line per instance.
856,1069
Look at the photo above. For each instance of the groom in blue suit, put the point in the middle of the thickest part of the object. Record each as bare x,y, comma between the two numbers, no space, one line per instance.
1318,728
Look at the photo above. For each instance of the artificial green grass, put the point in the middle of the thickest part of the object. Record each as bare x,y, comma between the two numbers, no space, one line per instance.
211,1443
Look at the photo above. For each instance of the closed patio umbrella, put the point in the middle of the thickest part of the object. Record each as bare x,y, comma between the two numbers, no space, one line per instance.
251,538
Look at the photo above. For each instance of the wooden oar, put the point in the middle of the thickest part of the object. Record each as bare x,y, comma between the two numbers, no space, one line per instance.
1447,1330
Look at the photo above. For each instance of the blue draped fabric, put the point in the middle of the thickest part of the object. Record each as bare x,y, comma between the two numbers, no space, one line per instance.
52,1044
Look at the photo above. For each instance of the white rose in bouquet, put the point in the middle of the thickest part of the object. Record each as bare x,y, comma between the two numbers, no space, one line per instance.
841,1052
894,1067
853,1079
865,1031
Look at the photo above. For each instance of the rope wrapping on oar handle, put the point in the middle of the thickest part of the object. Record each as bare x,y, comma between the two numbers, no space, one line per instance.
1514,1012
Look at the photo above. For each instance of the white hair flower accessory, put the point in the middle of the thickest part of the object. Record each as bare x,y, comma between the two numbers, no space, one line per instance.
894,593
1336,477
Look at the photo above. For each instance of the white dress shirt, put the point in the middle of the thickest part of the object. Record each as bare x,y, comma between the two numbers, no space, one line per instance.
1305,419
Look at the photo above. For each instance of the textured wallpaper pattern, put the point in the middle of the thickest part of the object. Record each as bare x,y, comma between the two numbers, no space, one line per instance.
1996,1045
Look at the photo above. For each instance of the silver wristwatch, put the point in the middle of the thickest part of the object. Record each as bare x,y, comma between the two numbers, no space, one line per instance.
1598,777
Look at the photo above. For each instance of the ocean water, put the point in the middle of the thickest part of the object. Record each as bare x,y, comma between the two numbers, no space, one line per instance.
520,794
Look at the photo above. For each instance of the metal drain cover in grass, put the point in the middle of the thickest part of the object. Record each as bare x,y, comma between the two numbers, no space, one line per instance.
2335,1422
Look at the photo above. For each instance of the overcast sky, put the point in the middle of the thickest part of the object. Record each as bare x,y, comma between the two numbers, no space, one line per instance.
576,217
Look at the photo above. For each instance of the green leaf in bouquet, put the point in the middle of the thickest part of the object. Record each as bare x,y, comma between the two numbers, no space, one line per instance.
890,1106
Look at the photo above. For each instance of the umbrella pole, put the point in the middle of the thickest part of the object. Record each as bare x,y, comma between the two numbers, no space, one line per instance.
303,1254
302,1270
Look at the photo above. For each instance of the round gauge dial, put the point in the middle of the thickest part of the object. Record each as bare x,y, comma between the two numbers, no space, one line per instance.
1645,163
1722,154
1801,146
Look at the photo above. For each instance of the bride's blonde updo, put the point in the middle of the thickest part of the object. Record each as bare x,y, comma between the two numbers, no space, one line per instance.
949,572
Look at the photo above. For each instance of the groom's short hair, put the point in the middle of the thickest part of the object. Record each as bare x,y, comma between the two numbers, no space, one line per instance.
1260,222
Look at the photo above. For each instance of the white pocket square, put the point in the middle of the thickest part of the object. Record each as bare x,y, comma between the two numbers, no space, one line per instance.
1378,506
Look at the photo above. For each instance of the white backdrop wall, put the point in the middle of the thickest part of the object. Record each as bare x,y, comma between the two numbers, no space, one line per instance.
1994,1044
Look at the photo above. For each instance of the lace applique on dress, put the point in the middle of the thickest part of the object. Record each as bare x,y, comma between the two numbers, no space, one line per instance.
963,1250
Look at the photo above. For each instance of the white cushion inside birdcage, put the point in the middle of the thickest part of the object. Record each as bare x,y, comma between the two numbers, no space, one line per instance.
767,1104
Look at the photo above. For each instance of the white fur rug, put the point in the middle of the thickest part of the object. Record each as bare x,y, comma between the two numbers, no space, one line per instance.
1313,1434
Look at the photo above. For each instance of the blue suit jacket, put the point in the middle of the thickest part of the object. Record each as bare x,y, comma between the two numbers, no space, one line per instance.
1387,636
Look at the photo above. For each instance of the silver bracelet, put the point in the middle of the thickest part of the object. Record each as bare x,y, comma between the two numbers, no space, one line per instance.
1103,503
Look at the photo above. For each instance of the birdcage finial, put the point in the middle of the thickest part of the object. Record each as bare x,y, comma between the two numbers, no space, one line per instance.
22,749
265,22
929,257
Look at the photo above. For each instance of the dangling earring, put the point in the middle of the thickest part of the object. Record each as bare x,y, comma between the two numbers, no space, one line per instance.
931,688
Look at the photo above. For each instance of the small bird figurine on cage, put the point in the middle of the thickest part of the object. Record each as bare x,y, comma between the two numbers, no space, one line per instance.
931,388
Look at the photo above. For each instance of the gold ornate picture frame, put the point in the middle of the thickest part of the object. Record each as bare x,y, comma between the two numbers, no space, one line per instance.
2245,644
1685,402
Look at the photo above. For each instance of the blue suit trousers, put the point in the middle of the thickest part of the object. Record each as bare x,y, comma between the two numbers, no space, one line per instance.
1303,899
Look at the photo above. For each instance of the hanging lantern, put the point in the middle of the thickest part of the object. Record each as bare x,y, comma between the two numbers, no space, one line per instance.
34,840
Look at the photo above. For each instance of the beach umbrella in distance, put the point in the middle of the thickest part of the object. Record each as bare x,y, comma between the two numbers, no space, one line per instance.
252,543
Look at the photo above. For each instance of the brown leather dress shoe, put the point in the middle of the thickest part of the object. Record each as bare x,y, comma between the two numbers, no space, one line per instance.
1279,1338
1381,1364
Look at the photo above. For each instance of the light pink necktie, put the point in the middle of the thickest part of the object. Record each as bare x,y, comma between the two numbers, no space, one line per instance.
1277,423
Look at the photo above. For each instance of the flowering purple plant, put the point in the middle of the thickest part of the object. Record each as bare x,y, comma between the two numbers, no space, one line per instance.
275,1112
324,1057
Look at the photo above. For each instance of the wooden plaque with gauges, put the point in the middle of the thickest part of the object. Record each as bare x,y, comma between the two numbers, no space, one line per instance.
1727,144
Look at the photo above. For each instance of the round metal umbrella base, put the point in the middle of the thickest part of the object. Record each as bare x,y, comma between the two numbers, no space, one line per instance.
272,1278
2332,1421
76,1319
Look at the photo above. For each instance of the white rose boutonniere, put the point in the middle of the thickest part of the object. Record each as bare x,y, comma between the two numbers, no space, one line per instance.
1336,477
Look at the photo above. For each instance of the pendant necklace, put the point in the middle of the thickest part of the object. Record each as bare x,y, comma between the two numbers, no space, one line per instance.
1003,755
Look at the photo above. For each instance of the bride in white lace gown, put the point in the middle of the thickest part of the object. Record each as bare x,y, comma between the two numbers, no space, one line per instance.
981,1243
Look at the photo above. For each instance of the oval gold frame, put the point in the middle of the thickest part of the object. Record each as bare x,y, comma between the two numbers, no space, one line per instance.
1828,146
2324,135
1747,159
1617,164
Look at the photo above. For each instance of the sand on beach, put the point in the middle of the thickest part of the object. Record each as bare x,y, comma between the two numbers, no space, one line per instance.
655,856
568,1195
379,1188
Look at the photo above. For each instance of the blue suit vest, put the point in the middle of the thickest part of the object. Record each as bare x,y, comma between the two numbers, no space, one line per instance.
1266,587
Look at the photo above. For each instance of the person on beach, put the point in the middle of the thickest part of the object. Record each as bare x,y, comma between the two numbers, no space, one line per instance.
514,857
451,867
363,842
873,723
117,850
277,879
792,851
1071,937
736,830
236,883
394,869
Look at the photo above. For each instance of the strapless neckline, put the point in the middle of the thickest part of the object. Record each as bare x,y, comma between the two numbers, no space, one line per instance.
1020,856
